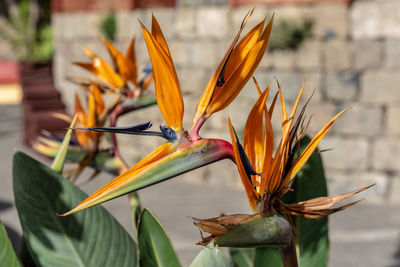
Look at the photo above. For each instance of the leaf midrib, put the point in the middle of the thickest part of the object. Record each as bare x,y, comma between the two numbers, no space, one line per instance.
65,235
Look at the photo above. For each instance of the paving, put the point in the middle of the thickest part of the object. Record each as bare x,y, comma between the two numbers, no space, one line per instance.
365,235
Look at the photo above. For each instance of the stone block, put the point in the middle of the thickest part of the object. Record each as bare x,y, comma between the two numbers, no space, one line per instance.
367,54
342,182
238,14
360,120
128,23
185,26
394,192
191,80
57,23
383,19
346,154
320,113
183,52
74,25
290,83
392,53
342,86
204,54
166,18
385,154
308,56
331,19
336,55
281,60
312,84
212,22
393,120
92,22
380,86
222,173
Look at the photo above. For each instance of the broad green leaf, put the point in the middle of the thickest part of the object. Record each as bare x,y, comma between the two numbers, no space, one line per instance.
7,254
243,257
154,245
211,256
92,238
313,233
58,162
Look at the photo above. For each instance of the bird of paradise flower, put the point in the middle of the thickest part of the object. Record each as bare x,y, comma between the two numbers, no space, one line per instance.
86,150
122,79
266,177
185,150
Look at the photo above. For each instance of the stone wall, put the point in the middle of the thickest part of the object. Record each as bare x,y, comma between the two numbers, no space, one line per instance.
353,60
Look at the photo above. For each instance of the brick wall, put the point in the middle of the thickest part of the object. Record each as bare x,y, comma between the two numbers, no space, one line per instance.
353,60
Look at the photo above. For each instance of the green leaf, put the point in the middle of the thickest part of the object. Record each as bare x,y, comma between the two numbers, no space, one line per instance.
58,162
268,257
92,238
139,103
211,256
7,254
313,233
243,257
154,245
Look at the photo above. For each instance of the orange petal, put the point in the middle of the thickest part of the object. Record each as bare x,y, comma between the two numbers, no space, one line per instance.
250,191
91,118
225,94
253,134
122,65
99,103
155,155
309,150
147,82
78,110
131,59
103,70
166,82
241,50
86,82
157,34
208,93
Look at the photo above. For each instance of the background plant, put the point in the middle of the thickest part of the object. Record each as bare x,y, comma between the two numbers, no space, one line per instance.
108,26
28,30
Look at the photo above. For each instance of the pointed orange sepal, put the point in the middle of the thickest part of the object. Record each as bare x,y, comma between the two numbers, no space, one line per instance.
169,97
130,57
234,70
309,150
251,193
123,66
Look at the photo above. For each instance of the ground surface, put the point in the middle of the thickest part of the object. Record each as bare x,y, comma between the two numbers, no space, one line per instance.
365,235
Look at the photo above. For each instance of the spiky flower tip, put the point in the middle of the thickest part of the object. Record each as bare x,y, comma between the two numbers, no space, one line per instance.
267,176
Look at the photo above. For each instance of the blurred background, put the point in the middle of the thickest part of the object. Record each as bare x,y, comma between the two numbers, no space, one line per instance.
346,52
